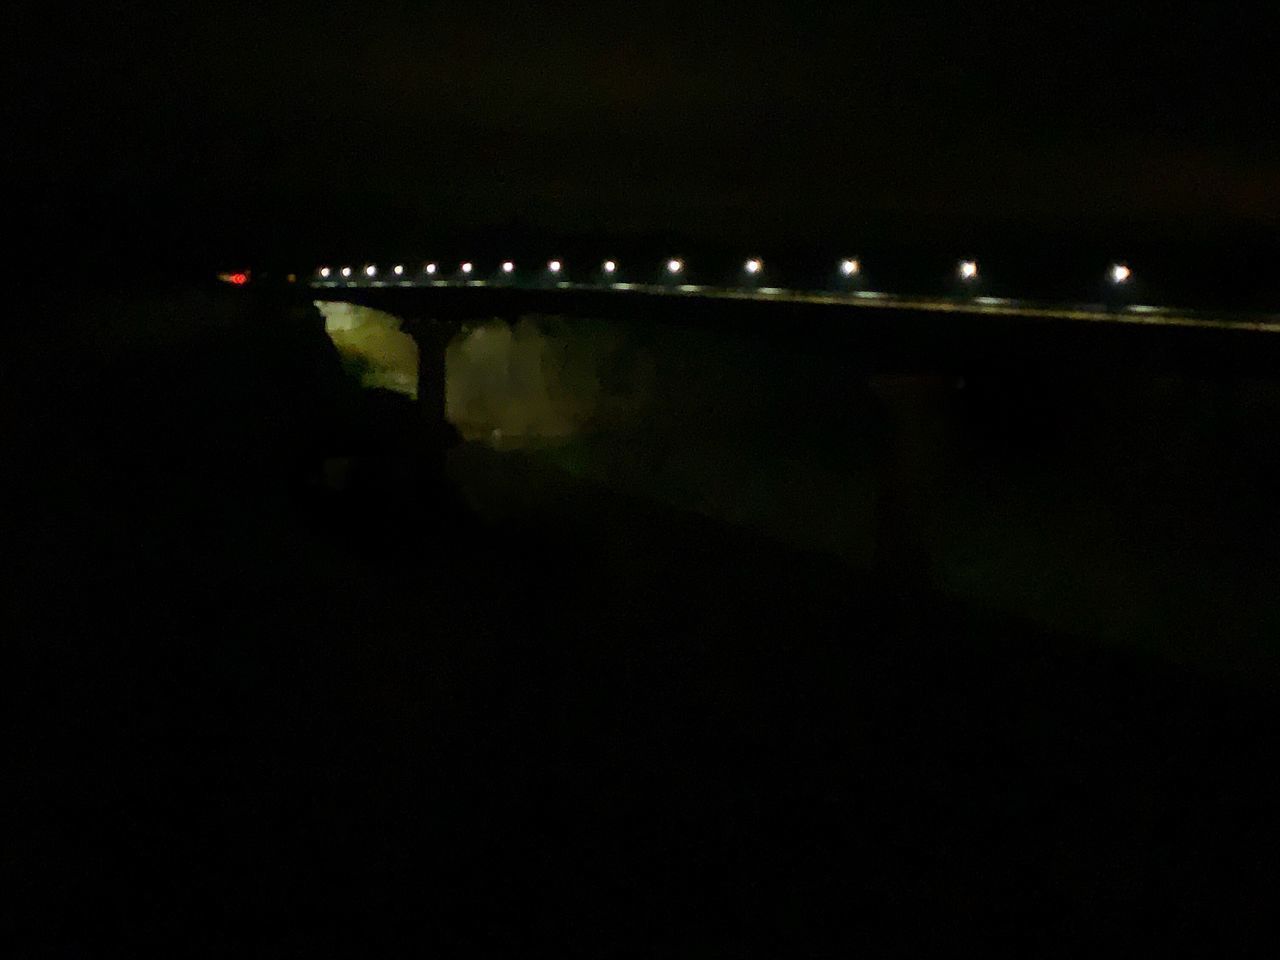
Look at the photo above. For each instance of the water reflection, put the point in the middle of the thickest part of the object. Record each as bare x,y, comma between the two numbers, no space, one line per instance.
372,346
536,382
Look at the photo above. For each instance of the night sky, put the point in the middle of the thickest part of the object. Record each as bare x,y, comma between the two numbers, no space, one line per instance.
234,132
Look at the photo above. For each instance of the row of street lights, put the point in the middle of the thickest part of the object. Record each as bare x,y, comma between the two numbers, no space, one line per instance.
967,270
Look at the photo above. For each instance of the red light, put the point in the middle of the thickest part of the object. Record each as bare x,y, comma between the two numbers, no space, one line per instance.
239,279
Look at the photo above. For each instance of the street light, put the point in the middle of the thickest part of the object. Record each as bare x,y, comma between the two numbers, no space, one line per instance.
755,265
508,267
1120,273
430,268
675,266
324,272
968,270
610,266
398,270
346,271
850,267
555,266
468,267
371,271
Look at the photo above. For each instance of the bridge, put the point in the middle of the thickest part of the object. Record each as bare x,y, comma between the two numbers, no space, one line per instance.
966,334
849,293
754,295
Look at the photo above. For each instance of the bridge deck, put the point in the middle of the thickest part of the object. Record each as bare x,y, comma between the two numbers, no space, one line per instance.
1139,314
879,332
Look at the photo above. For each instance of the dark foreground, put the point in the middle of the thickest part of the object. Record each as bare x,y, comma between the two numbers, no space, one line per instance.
249,716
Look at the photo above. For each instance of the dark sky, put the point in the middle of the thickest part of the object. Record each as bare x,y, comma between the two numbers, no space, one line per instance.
311,131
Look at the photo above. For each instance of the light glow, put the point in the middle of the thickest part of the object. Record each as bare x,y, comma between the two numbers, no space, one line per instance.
371,271
968,270
1120,273
555,266
398,270
346,271
850,267
431,269
610,266
675,266
508,267
755,265
325,271
468,267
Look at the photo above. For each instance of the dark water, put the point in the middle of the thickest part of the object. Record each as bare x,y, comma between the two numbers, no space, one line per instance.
1130,507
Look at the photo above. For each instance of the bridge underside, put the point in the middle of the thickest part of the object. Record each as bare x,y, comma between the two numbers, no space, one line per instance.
893,338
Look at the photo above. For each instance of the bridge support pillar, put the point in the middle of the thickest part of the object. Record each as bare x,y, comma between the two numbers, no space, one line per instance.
432,337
